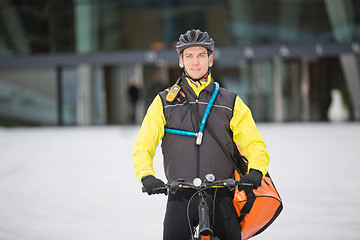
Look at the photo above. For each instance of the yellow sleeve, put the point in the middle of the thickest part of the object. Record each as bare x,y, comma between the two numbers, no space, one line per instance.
148,137
248,137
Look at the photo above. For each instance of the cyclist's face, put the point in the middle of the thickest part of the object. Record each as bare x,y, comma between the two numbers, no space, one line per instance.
196,61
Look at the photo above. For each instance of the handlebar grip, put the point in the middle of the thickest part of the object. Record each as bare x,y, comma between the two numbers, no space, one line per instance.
143,189
247,185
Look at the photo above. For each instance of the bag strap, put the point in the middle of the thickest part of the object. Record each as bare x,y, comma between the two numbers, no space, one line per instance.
250,199
249,193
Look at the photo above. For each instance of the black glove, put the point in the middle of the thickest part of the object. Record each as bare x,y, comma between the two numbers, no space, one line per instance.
254,177
153,185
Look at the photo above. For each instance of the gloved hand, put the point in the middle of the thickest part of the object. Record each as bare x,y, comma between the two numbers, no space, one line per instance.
153,185
254,177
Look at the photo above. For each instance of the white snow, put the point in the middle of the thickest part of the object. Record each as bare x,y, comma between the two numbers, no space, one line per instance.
77,183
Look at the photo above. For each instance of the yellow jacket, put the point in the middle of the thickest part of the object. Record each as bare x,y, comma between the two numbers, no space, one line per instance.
242,124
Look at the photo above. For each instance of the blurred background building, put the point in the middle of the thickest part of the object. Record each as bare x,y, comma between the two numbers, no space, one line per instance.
88,62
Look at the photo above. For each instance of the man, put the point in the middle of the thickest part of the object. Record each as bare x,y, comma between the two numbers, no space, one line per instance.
185,159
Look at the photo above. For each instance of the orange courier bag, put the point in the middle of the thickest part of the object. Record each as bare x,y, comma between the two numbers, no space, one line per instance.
256,209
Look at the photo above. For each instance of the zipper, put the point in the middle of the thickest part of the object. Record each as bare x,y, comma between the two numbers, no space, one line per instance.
197,146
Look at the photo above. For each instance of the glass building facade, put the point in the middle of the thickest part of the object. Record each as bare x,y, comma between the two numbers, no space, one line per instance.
87,62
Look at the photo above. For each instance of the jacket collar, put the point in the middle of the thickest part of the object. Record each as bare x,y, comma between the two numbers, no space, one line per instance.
207,86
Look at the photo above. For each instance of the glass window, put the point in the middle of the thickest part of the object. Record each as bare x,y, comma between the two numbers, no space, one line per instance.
33,27
28,96
253,82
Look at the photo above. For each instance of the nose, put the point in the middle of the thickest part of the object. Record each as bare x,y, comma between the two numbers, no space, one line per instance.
196,61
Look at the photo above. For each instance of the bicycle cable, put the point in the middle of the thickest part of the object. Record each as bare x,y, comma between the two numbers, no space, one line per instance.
213,222
188,214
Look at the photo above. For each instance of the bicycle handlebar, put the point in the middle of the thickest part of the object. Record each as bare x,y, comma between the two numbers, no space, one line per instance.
227,183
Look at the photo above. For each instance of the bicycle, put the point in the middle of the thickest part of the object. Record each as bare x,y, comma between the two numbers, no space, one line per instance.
203,229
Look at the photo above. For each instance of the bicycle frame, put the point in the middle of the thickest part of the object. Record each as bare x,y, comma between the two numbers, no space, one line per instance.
204,230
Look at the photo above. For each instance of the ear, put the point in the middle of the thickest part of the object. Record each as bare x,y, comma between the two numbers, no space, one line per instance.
181,64
211,60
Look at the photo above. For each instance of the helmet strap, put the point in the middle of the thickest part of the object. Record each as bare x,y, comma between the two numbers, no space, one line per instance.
198,79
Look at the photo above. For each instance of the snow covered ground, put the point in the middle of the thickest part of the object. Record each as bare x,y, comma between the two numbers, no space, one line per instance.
78,183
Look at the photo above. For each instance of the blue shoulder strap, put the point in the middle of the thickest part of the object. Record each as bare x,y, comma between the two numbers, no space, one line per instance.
199,134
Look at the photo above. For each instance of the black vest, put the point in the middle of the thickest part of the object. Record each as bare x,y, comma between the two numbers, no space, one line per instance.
183,159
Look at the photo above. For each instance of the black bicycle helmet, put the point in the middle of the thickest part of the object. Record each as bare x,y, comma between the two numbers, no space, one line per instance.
194,38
